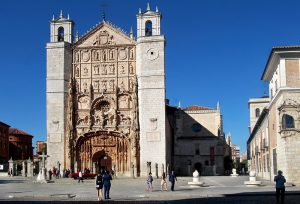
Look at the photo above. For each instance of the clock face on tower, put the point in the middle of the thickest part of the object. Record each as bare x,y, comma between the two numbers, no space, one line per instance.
152,54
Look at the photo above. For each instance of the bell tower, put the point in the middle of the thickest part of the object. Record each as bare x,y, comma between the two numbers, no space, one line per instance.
61,29
59,63
150,63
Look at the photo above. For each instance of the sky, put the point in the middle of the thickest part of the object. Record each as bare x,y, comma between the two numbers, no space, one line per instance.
216,50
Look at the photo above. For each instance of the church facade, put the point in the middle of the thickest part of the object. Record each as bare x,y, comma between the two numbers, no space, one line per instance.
106,101
106,97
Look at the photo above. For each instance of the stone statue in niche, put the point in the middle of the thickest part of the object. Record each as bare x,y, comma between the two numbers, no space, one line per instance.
122,86
131,84
96,69
111,55
123,102
83,102
85,89
122,70
96,84
111,69
76,71
131,54
85,71
86,120
104,86
104,69
104,57
96,55
111,85
130,68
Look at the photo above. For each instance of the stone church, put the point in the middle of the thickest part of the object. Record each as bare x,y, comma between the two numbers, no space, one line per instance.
106,98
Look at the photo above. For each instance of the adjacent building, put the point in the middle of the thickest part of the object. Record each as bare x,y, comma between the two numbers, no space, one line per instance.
20,144
275,138
198,140
4,143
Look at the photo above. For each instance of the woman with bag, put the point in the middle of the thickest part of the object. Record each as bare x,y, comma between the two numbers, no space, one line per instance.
163,182
99,185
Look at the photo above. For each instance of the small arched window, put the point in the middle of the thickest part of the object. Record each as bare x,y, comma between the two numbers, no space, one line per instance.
287,121
257,112
60,34
148,28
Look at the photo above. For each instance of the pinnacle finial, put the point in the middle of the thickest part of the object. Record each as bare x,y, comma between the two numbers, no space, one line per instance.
156,9
131,33
218,105
140,10
53,19
148,6
68,17
77,36
61,14
179,104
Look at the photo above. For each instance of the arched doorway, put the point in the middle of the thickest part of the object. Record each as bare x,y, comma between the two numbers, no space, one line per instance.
106,150
102,161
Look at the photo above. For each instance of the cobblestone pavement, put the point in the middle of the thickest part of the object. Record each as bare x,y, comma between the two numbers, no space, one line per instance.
218,189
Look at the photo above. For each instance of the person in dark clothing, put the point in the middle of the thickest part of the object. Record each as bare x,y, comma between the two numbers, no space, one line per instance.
280,187
106,184
99,185
172,179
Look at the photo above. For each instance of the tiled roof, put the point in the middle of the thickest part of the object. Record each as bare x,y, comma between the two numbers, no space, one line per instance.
15,131
4,124
195,107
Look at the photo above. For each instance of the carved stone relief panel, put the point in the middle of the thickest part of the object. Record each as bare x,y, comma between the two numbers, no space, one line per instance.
132,53
123,68
112,54
83,118
131,84
111,69
83,102
123,84
96,56
131,68
96,69
85,70
85,86
104,68
96,85
85,55
123,101
76,56
122,53
77,71
104,55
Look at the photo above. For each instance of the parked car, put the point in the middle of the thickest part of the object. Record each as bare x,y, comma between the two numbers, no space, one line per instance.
84,175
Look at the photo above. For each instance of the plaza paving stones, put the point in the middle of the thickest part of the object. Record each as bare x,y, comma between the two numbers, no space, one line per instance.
219,189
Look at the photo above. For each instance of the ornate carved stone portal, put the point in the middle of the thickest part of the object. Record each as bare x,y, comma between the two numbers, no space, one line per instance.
102,105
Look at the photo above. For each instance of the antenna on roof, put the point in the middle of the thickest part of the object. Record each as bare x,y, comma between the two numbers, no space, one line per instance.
103,6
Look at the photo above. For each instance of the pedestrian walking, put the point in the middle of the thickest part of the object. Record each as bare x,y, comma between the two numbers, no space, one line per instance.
280,187
172,179
163,182
149,182
80,178
106,184
99,185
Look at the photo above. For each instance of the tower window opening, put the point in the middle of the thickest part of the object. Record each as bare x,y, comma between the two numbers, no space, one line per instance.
287,121
148,28
257,112
60,35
